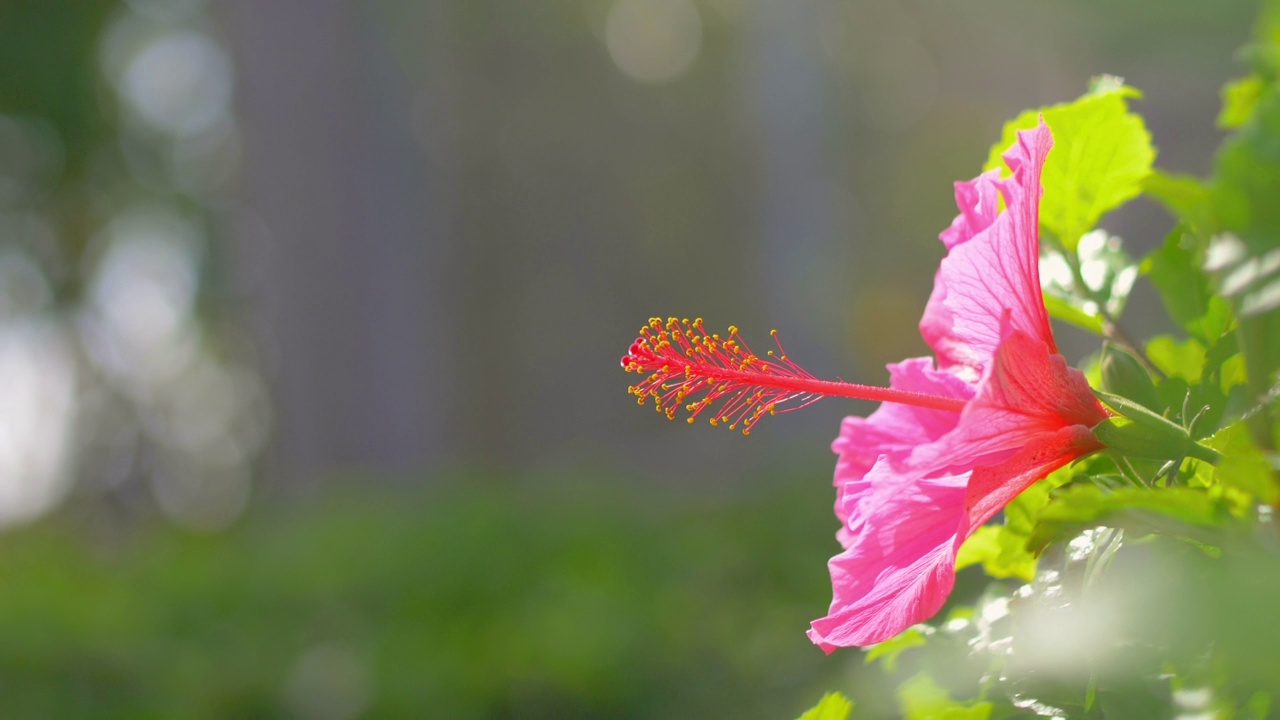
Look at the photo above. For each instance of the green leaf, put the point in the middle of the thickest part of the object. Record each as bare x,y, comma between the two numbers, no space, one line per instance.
1180,511
1184,196
1002,549
1003,554
1238,98
1243,466
923,699
888,651
1258,706
1102,154
1198,378
1246,256
832,706
1175,271
1180,359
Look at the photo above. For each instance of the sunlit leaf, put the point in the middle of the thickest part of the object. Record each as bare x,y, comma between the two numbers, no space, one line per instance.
888,651
1065,310
1003,554
832,706
1245,257
1180,359
1101,155
1002,549
923,699
1238,98
1179,511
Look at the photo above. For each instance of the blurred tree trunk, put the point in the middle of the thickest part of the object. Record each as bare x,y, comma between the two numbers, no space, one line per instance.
352,272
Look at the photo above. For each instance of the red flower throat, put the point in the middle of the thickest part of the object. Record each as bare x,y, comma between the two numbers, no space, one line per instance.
684,362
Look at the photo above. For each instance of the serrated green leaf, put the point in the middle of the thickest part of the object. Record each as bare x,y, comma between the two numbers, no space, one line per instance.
887,652
832,706
1101,155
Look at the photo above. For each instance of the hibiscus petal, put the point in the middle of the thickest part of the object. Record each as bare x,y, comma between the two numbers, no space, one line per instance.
991,488
1027,393
903,535
978,206
895,429
992,264
899,566
905,519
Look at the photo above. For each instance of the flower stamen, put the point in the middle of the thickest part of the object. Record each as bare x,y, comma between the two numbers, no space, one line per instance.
684,362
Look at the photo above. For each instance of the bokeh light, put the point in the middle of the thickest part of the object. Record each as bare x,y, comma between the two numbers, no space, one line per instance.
179,82
654,41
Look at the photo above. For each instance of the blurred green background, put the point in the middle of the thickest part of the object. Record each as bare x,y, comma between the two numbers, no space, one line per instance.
310,317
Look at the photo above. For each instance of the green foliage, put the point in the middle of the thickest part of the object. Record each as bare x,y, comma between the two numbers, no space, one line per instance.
1102,154
1175,270
832,706
1243,258
1003,549
1140,582
1088,286
479,599
1185,197
1124,376
1244,466
50,73
1238,99
1186,512
887,652
923,699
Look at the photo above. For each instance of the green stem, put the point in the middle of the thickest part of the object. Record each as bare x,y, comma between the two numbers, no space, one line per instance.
1111,328
1207,454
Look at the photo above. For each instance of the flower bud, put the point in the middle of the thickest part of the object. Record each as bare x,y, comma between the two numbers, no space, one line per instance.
1123,375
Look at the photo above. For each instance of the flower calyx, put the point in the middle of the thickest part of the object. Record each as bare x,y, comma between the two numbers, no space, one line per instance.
1137,432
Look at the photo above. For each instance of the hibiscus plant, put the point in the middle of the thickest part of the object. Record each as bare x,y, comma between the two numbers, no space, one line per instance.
1120,510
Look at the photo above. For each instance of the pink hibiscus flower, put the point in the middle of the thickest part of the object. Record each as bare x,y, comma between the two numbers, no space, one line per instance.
956,439
913,484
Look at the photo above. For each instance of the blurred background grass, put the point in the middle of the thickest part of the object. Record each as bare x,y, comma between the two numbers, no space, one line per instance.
310,315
